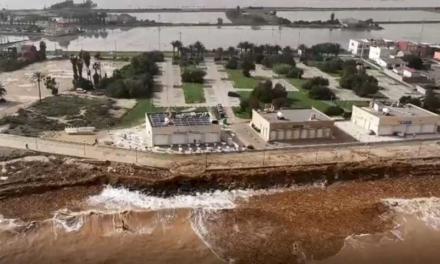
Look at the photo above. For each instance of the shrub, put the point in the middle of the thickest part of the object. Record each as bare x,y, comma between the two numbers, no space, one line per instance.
282,69
280,102
332,66
83,84
334,111
263,92
232,63
295,72
117,89
193,74
315,81
321,93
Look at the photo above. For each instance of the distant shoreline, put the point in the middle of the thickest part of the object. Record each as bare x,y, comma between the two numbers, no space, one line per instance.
275,8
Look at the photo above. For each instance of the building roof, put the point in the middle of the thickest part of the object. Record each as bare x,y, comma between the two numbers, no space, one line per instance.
180,119
295,115
408,110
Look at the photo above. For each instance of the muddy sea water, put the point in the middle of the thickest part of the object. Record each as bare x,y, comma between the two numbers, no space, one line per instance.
121,226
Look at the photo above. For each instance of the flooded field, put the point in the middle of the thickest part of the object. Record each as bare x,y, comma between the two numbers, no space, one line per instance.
153,38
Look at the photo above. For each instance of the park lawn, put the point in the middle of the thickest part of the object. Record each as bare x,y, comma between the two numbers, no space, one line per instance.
194,93
242,82
301,99
136,115
298,83
241,114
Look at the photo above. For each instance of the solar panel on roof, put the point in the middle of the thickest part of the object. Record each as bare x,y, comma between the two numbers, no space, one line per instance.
181,119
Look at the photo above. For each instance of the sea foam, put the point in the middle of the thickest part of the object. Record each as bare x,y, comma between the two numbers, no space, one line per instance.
425,209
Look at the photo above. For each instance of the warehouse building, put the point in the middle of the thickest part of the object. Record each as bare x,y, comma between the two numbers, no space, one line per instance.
165,129
294,124
395,120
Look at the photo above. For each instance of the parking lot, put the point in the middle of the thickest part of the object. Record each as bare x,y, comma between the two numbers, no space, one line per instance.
391,88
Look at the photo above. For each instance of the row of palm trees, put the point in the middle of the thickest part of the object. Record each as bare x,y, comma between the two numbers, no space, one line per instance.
193,51
244,47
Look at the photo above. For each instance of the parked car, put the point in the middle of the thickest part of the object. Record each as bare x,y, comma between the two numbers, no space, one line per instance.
233,94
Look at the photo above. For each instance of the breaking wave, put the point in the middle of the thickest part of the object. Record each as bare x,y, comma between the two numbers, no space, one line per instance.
122,199
424,209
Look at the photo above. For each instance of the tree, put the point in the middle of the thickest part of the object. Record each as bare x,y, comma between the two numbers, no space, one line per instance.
431,102
51,85
279,91
410,100
332,65
38,77
247,65
282,69
232,63
334,111
295,72
193,75
3,91
315,81
263,92
332,17
42,51
80,66
321,93
414,62
74,62
174,44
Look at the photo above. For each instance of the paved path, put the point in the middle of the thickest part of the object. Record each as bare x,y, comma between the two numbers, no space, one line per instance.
293,156
171,93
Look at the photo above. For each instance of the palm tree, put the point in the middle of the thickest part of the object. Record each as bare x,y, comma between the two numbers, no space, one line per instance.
2,90
74,61
231,51
200,49
38,77
174,44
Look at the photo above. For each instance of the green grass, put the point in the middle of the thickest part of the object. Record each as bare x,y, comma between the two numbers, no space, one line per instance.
348,105
244,94
194,93
301,98
242,82
136,115
298,83
240,114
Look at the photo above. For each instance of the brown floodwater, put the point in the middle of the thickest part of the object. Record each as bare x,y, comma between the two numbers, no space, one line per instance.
272,226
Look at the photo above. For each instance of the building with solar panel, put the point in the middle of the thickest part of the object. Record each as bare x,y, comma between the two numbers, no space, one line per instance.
165,129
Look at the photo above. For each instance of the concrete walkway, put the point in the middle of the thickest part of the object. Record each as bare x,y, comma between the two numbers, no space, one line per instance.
299,155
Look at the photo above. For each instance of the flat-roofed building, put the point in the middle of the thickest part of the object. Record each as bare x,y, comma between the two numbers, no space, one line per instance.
293,124
165,129
395,120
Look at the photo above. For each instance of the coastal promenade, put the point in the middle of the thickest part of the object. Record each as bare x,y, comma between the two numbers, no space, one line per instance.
309,155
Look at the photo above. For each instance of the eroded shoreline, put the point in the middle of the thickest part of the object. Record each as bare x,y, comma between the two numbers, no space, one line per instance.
32,189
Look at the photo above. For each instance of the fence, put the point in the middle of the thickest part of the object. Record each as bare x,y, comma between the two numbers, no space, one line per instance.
318,154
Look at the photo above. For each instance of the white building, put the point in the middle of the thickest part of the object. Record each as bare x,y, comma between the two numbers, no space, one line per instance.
165,129
384,57
292,125
395,120
359,47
